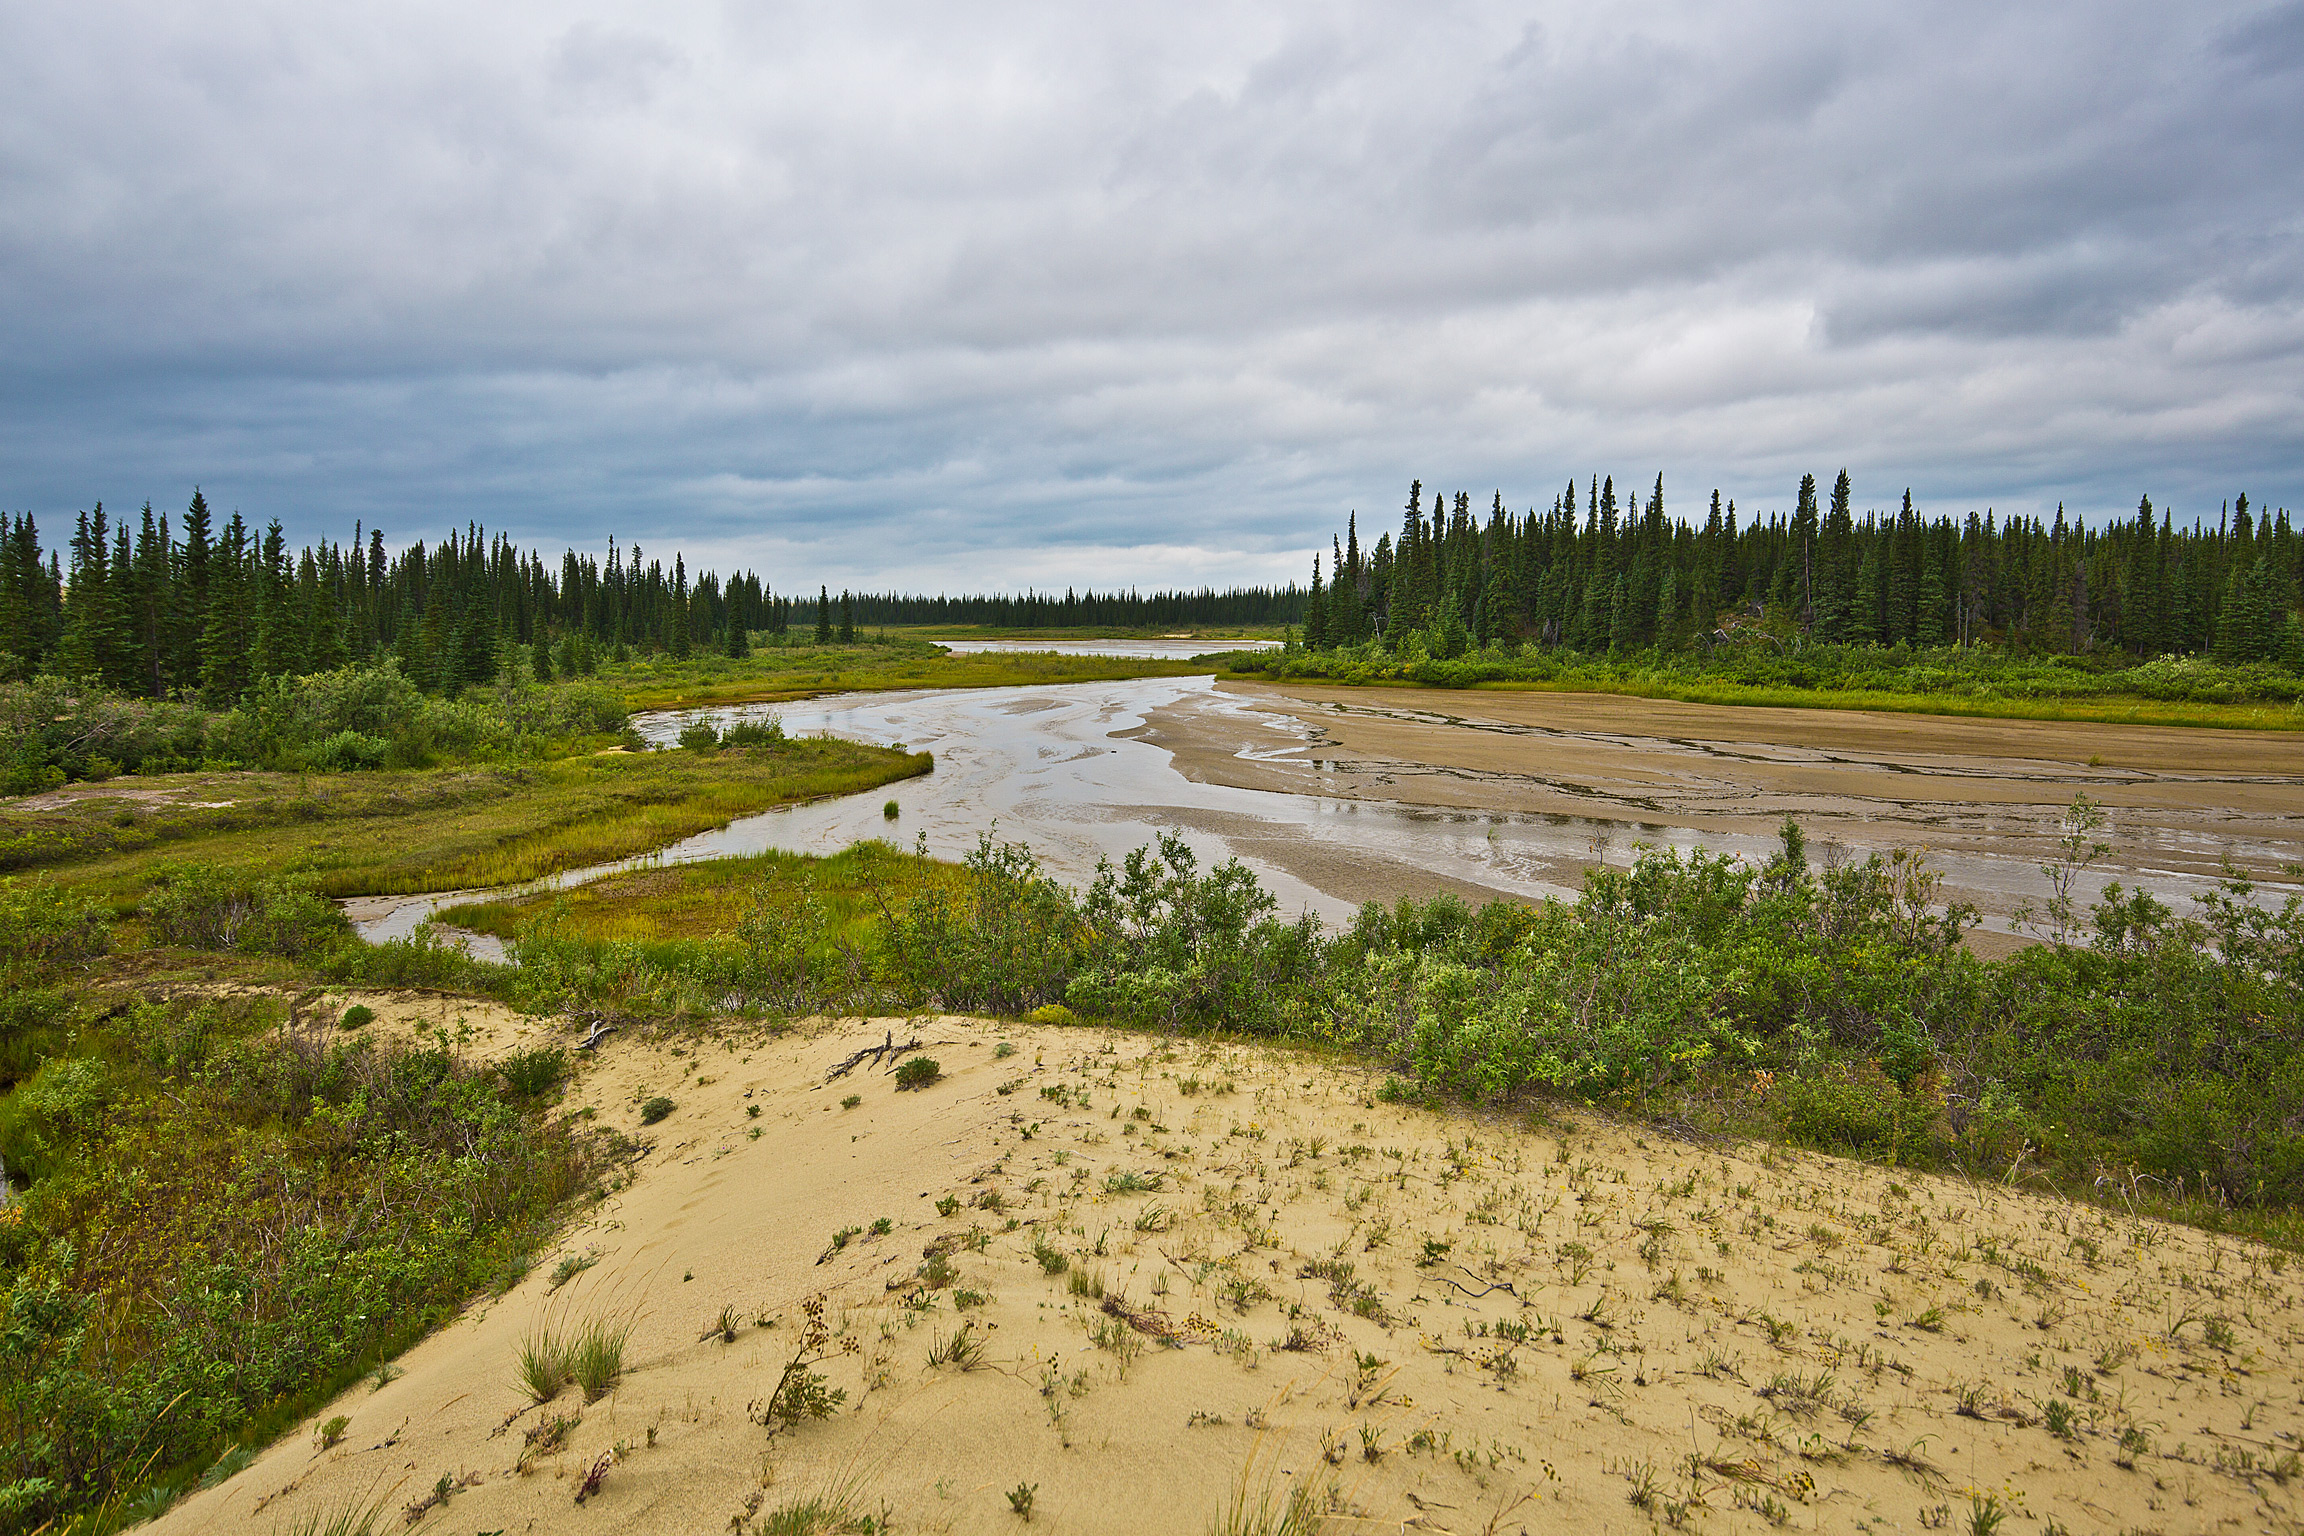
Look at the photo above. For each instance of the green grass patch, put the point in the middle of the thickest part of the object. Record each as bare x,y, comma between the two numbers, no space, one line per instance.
774,674
1988,683
709,899
391,833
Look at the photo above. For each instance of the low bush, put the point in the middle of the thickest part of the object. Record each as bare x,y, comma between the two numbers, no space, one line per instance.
204,908
227,1222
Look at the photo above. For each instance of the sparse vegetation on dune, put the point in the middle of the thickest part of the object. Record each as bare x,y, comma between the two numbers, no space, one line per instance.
1834,1007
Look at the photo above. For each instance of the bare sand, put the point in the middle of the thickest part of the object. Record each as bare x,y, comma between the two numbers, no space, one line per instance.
1985,796
1274,1282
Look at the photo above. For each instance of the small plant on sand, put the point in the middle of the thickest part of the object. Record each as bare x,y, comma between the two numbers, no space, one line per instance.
963,1350
852,1101
723,1327
570,1267
591,1357
333,1431
533,1073
655,1109
596,1357
917,1073
358,1016
343,1520
801,1393
1053,1260
818,1515
947,1205
1264,1510
1020,1500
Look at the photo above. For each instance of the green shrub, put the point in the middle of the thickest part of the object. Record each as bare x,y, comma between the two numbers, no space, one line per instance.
535,1072
200,907
358,1016
917,1073
767,732
655,1109
1851,1109
1046,1013
321,1205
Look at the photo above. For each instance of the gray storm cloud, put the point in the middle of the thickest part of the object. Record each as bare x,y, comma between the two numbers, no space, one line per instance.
983,296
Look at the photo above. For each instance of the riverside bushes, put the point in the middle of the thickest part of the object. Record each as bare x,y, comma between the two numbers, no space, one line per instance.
1837,1007
53,731
1954,679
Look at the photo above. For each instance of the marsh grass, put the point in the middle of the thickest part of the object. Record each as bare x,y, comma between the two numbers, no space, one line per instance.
776,674
382,834
709,898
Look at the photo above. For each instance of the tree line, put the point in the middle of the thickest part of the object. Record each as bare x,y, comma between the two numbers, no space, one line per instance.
192,607
183,607
1091,609
1596,575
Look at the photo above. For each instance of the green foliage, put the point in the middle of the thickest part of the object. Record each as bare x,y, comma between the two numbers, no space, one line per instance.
53,731
1007,942
534,1072
655,1109
1992,682
917,1072
226,1223
200,907
1837,1007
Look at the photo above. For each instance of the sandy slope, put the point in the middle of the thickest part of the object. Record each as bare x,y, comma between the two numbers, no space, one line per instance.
1613,1331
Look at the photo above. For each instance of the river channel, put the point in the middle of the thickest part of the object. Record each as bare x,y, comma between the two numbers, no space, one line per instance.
1087,771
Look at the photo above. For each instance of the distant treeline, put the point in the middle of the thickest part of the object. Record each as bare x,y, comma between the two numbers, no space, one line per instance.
1074,610
1594,576
158,607
155,610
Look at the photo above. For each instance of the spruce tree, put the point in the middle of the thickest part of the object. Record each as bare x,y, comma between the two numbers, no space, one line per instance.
823,615
231,618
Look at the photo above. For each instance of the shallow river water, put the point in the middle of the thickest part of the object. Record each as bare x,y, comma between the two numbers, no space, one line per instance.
1061,768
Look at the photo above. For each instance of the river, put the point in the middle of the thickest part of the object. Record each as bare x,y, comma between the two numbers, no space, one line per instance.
1088,771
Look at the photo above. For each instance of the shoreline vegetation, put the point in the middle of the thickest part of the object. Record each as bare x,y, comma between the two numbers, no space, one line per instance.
2169,691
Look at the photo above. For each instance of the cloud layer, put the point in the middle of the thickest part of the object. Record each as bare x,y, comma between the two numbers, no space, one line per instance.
978,297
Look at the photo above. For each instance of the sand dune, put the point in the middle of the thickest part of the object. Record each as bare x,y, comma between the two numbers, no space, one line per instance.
1273,1283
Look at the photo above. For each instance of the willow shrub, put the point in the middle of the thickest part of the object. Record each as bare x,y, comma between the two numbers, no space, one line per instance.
225,1221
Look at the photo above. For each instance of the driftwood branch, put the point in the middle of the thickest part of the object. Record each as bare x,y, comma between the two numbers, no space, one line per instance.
1502,1285
886,1048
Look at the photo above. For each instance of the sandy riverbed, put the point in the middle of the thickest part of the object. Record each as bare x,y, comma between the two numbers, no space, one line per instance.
1984,795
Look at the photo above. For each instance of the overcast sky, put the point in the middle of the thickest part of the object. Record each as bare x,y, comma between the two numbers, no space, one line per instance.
980,296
